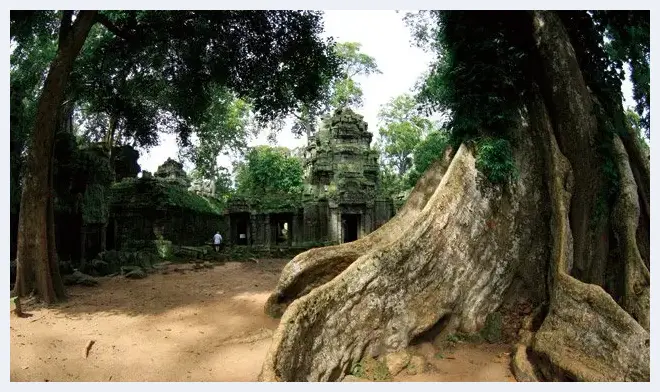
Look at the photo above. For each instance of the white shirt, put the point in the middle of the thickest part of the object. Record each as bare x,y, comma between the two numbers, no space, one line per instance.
217,239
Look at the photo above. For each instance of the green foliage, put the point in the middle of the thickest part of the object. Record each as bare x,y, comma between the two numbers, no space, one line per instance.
390,183
155,194
635,123
453,338
628,34
371,369
95,204
137,75
464,337
353,62
479,79
270,178
485,67
492,330
495,160
340,88
163,248
426,152
479,76
402,130
226,129
33,38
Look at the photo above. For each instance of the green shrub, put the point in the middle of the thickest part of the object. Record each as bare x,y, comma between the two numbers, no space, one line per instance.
495,160
492,330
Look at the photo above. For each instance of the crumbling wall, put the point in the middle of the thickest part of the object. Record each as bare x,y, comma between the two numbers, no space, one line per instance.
147,209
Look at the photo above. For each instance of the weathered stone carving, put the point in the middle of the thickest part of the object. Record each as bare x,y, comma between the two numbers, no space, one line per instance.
172,172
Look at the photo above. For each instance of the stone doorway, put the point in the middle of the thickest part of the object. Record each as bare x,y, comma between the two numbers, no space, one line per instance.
240,225
281,228
350,227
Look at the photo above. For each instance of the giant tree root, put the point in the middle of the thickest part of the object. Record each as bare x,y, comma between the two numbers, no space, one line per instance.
455,260
626,214
586,335
318,266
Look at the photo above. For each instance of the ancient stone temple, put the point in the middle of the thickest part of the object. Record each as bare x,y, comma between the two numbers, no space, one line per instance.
342,175
339,203
160,208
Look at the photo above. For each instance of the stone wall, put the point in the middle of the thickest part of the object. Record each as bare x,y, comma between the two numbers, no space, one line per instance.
181,227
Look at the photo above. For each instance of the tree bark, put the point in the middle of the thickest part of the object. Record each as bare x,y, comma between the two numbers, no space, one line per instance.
450,261
454,260
316,267
576,129
36,248
110,135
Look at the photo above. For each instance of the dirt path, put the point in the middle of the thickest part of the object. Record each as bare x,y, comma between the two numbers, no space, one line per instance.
465,362
191,325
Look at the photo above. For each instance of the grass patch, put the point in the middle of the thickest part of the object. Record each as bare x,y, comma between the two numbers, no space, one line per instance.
371,369
492,330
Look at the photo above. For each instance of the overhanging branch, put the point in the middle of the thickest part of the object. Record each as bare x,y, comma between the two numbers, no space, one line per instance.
102,19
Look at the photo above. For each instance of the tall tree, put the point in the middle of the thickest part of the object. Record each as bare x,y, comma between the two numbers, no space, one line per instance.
273,58
340,89
267,171
226,129
429,150
402,129
545,200
37,268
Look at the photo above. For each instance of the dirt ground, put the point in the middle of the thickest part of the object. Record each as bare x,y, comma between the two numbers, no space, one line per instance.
185,325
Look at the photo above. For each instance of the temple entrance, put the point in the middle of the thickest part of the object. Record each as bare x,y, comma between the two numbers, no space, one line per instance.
240,228
281,228
110,235
350,227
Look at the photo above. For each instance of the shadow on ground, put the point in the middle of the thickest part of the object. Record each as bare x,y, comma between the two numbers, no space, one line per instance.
196,325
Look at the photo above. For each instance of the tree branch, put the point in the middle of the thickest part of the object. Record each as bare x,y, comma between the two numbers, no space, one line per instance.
65,25
102,19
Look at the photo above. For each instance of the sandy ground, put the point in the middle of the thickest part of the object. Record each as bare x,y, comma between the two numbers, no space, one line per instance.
186,325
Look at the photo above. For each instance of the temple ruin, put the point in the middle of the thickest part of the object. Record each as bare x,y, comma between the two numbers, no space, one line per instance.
339,203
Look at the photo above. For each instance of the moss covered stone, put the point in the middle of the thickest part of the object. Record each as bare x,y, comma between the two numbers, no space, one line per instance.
152,193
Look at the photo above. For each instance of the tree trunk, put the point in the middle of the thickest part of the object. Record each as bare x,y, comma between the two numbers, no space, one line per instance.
36,268
575,125
110,135
454,259
316,267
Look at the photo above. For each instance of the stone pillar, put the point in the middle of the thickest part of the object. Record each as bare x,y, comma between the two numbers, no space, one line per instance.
252,228
268,231
104,231
367,223
334,225
83,245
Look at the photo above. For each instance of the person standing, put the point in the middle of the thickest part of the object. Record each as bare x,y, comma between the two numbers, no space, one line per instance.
217,240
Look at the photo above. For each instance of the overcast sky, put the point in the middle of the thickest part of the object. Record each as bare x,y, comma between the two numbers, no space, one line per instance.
384,36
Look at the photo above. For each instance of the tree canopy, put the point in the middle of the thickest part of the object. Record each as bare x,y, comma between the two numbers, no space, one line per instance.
269,170
139,72
340,90
403,127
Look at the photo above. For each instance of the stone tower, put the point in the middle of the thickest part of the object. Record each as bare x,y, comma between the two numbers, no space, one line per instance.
341,180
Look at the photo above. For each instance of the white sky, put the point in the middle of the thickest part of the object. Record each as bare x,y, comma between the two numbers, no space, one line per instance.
384,36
